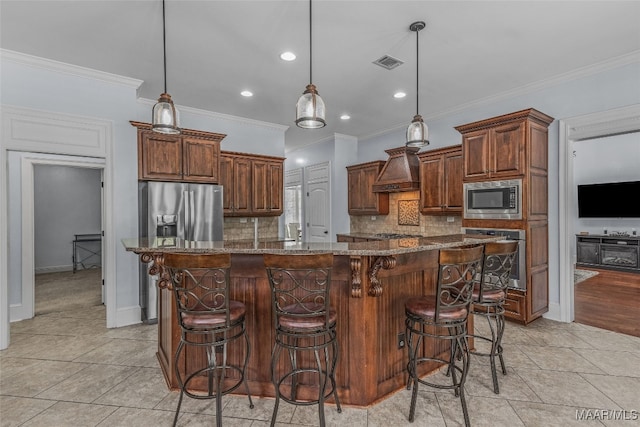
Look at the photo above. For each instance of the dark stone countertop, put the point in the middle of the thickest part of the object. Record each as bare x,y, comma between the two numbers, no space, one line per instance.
372,248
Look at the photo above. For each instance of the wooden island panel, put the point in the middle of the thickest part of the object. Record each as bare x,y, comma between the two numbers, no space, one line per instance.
370,364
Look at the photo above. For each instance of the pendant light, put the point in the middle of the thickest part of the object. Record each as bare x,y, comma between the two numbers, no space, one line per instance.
417,132
310,112
165,117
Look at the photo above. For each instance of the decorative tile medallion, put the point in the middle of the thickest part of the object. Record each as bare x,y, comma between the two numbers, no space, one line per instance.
408,212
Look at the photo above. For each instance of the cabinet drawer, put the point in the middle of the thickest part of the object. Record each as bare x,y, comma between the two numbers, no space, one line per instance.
514,306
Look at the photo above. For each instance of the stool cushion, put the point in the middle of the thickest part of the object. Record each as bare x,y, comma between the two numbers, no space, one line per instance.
425,307
293,322
489,295
206,319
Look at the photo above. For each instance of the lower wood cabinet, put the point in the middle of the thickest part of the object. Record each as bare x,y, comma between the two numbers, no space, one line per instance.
441,173
253,184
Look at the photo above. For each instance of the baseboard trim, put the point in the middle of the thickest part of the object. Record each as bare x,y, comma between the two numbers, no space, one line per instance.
53,269
554,312
16,313
127,316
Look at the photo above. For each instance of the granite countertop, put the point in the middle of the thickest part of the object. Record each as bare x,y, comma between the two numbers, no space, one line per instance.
372,248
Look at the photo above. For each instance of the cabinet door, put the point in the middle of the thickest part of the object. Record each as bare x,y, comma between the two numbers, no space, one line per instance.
226,180
267,187
201,160
242,186
432,184
453,173
476,154
507,150
276,187
260,186
362,200
160,157
587,252
354,179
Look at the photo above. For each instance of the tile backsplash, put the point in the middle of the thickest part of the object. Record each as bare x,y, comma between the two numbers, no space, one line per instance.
235,229
429,225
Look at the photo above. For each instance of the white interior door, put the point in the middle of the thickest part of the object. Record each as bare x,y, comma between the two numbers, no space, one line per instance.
318,204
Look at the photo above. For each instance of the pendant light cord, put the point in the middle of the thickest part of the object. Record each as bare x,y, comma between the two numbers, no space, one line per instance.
310,47
417,71
164,48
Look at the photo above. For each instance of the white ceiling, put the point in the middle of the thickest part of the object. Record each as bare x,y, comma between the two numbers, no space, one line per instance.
469,51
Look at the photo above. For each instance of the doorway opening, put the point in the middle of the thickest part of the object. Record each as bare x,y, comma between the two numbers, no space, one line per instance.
58,211
68,240
573,130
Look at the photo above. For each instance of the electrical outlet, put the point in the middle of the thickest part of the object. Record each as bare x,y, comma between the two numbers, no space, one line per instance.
401,340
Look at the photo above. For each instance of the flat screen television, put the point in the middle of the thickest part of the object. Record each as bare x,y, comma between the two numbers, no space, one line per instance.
609,200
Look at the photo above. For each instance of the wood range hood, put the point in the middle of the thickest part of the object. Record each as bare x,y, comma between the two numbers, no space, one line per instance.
400,173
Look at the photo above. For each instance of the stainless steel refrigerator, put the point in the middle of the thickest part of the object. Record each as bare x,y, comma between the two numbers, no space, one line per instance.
174,209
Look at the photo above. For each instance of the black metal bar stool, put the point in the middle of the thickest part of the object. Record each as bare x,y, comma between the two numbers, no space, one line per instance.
489,296
305,328
210,323
443,316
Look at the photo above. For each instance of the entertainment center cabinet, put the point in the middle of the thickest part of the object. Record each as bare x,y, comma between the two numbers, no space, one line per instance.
608,251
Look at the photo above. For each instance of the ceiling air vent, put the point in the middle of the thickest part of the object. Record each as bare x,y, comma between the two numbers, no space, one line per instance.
388,62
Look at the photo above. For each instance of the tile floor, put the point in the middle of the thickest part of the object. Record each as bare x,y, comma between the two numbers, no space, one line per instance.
67,369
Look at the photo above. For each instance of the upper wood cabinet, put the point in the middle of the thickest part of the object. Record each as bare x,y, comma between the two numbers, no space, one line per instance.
253,184
235,178
503,147
441,181
192,156
267,186
362,199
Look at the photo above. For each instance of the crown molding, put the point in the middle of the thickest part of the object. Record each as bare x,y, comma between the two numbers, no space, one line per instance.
610,64
69,69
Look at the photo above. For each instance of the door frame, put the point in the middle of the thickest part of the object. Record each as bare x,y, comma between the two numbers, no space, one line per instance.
27,183
571,131
50,133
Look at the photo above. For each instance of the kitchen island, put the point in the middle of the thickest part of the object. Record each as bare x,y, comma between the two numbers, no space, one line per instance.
370,283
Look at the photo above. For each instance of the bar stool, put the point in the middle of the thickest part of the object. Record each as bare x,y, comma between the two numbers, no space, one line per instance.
209,322
489,297
305,327
443,316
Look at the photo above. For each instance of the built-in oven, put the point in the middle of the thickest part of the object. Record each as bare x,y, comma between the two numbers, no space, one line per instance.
518,278
493,199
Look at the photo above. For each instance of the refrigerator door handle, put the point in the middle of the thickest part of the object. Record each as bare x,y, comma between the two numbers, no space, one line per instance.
192,219
187,216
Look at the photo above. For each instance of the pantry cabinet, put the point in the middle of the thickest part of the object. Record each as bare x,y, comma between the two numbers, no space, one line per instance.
362,200
192,156
441,181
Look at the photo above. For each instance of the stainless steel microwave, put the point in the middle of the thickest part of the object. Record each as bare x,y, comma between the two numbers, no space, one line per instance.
493,199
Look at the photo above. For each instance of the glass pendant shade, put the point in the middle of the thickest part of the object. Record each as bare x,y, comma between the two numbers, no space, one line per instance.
165,116
310,112
417,133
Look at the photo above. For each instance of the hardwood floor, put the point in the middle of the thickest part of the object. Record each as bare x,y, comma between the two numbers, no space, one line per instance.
609,300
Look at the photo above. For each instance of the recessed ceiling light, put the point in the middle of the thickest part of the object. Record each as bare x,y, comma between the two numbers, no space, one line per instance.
287,56
345,117
399,95
246,93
